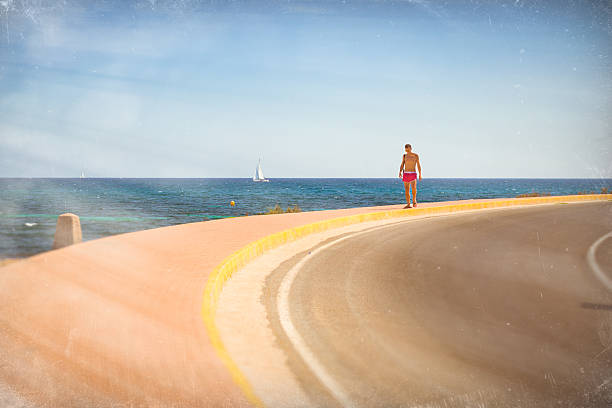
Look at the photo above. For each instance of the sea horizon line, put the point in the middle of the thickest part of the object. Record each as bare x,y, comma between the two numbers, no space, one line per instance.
302,178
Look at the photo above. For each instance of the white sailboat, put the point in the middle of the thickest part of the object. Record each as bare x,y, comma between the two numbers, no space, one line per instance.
82,174
259,173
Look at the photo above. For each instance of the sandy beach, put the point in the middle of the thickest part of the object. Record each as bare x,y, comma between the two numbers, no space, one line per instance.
117,321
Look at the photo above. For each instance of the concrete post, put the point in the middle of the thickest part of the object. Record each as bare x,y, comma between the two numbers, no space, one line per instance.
67,231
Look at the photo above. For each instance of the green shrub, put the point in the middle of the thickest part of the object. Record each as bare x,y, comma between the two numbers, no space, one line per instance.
533,194
294,209
279,210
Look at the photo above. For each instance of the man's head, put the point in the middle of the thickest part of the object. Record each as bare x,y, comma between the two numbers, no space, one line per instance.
408,148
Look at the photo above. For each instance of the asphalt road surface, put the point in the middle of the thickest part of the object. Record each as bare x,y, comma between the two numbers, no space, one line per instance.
490,309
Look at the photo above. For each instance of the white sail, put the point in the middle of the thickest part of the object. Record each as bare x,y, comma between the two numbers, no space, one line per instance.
256,176
82,174
259,176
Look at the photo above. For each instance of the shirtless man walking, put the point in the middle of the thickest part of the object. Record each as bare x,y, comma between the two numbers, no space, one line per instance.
408,174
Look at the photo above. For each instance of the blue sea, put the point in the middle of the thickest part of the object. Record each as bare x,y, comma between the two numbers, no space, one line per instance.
29,207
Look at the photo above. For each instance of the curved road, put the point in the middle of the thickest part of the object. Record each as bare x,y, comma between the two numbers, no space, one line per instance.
495,309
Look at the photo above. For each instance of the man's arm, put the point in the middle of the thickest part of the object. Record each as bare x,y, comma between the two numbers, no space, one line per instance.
418,163
402,166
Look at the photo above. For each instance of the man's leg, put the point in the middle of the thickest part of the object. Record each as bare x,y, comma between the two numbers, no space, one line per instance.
413,187
407,190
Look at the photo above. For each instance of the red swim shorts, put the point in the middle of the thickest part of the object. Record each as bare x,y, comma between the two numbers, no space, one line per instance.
409,176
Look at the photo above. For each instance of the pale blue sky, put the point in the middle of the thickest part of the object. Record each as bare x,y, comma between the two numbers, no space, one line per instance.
317,88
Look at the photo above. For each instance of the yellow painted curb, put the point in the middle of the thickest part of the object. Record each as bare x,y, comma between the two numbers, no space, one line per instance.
244,255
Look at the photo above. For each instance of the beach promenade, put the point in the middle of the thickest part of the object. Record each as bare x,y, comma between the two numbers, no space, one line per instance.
131,320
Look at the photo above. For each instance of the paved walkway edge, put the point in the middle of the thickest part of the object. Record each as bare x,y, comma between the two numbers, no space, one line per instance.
224,271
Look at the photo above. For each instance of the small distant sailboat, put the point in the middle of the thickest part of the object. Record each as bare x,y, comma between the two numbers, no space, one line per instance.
82,174
259,173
